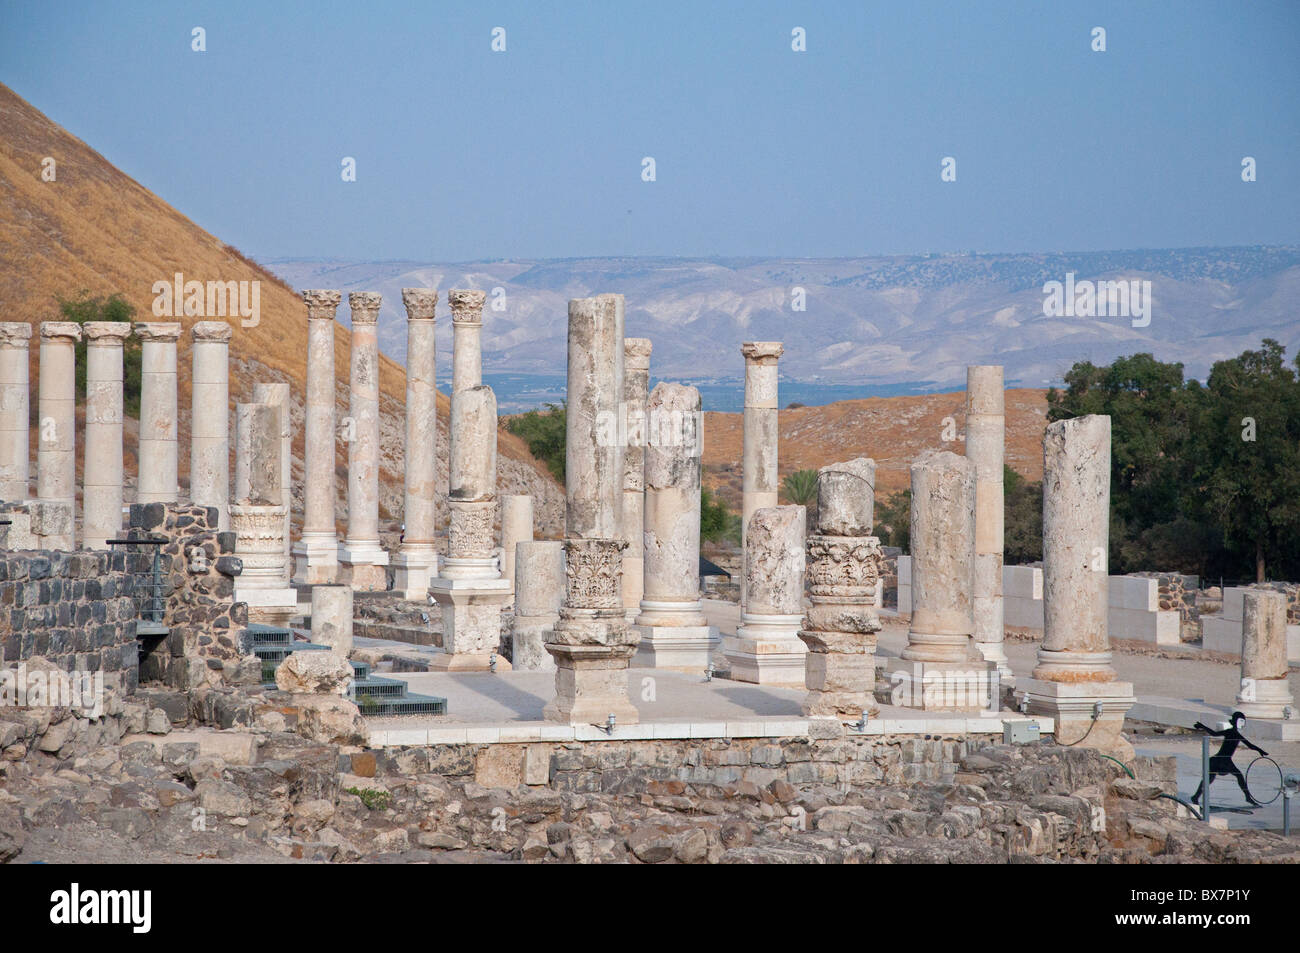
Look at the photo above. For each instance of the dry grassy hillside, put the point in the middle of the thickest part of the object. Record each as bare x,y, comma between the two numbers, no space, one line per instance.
95,228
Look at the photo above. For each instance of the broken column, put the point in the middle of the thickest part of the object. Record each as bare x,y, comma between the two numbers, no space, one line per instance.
277,395
941,668
417,560
674,632
316,553
331,617
844,562
592,641
257,516
636,386
56,454
985,443
361,558
759,454
15,410
101,502
466,332
539,592
157,481
1265,690
210,418
516,527
766,648
1074,682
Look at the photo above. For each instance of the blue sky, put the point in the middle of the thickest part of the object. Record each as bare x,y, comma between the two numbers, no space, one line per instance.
465,153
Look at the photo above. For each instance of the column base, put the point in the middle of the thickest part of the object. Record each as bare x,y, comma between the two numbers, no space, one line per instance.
269,606
414,573
469,662
361,566
970,686
471,614
316,560
53,523
1072,706
767,650
996,653
528,640
678,648
591,685
1267,698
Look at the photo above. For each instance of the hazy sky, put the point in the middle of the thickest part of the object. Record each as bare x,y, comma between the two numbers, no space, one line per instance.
463,153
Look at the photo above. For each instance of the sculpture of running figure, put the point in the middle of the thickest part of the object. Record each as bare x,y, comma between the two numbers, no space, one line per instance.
1221,761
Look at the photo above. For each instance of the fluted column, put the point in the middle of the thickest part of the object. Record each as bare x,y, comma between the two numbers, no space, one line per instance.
15,398
157,481
316,553
102,471
56,455
361,558
210,418
636,393
985,443
759,481
417,561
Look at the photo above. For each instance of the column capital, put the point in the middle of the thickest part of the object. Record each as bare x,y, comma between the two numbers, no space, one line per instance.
60,330
106,333
762,351
164,331
15,333
420,303
365,306
218,331
636,352
466,305
321,304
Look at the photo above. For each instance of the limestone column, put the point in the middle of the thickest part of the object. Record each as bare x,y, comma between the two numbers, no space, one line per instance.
941,668
316,554
331,617
277,395
1265,690
15,397
844,563
56,455
101,500
766,648
674,632
257,516
539,593
760,484
361,558
985,443
516,527
636,388
210,418
1074,681
417,560
157,480
466,331
593,641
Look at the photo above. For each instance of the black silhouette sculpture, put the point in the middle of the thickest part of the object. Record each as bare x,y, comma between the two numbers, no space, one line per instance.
1221,761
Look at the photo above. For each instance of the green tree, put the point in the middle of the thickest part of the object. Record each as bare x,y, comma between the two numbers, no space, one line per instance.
85,308
800,487
1022,519
717,523
544,432
894,520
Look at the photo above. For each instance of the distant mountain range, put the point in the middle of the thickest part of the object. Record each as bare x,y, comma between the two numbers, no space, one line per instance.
883,325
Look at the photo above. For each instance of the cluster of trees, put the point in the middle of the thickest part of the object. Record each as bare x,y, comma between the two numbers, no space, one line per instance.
543,431
86,307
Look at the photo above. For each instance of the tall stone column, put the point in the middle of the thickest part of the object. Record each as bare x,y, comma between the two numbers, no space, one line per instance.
844,562
636,391
516,528
985,443
15,409
1265,690
941,668
592,641
760,484
316,553
101,500
56,454
466,334
361,558
539,593
674,632
417,560
157,481
277,395
257,516
766,648
1074,682
210,418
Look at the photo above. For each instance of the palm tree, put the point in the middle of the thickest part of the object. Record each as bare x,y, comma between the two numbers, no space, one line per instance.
800,487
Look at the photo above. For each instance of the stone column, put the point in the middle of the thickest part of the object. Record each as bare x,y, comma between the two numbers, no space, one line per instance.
15,397
331,617
361,558
844,562
766,648
466,330
101,501
316,554
277,395
1074,682
674,632
1265,690
539,592
593,641
985,442
516,527
760,484
210,418
417,560
56,455
941,668
157,480
636,387
257,516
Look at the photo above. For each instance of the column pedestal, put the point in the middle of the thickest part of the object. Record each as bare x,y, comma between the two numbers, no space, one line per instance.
666,643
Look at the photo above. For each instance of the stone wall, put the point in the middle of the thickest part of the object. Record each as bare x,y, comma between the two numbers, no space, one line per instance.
1177,592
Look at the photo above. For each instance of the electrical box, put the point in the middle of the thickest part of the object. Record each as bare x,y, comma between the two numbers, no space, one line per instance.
1019,732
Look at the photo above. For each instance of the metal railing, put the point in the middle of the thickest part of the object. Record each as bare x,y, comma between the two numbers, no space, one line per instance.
154,604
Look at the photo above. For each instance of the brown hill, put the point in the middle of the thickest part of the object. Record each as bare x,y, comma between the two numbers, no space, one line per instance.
96,229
